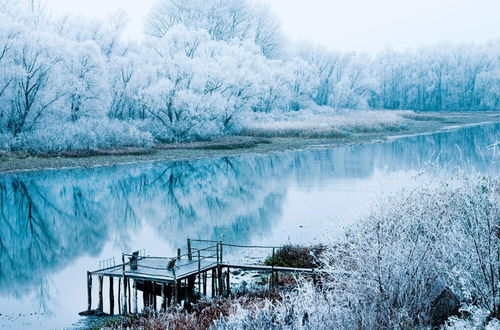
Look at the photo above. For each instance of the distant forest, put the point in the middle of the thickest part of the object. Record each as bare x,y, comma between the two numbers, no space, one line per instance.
203,66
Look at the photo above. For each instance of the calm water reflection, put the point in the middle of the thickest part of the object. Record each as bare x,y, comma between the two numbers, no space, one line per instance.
55,225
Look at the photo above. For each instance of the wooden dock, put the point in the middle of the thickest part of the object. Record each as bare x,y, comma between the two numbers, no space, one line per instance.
203,270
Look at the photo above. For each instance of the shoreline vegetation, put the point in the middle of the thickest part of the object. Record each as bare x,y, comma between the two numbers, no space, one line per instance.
287,135
396,269
78,86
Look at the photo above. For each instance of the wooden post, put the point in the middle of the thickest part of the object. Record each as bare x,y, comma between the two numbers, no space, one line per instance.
213,283
220,280
111,296
145,294
178,254
124,295
190,255
163,297
228,283
220,251
124,306
89,291
199,271
135,297
176,289
170,289
191,282
219,269
129,297
119,295
154,296
100,306
272,270
204,283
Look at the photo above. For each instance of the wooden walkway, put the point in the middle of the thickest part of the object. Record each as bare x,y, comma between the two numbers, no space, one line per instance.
176,279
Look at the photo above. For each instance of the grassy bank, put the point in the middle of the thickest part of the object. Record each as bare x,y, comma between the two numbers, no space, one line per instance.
233,145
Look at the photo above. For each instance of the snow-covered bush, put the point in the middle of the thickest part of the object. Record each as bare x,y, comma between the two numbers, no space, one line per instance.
475,318
390,271
82,135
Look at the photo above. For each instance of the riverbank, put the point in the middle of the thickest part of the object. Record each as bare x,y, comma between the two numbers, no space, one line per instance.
415,123
401,267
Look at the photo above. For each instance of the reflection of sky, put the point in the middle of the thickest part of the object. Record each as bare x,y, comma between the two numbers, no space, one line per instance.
84,216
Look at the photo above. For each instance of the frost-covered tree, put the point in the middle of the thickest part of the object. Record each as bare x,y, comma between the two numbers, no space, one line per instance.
222,19
441,77
344,80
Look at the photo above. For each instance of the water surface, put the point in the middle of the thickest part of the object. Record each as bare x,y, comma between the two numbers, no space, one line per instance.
56,225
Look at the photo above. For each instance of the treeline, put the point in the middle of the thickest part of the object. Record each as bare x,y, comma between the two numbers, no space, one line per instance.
72,82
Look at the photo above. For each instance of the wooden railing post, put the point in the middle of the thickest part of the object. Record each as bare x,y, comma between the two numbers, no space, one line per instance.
221,259
228,282
272,270
124,305
199,271
89,291
190,255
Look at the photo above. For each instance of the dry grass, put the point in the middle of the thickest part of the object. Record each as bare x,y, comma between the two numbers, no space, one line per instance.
200,316
324,123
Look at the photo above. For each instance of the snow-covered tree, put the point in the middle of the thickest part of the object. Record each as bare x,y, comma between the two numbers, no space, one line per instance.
222,19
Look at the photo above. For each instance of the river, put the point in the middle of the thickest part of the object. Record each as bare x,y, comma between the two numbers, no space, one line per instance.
56,225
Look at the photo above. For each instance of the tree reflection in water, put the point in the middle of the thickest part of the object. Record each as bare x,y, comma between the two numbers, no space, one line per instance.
48,219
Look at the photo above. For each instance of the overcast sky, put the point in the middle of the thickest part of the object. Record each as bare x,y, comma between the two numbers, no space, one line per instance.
360,25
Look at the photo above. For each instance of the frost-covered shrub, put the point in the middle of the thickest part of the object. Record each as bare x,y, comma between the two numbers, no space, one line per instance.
5,141
321,122
82,135
476,319
389,272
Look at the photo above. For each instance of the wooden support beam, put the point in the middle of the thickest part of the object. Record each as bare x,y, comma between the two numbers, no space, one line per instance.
199,271
170,289
214,289
163,297
228,283
100,306
145,294
204,283
153,292
111,296
119,295
124,296
135,297
191,282
89,291
129,296
177,291
220,281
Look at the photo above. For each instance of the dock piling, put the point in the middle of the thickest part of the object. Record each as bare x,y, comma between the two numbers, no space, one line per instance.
89,291
100,306
111,297
135,297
